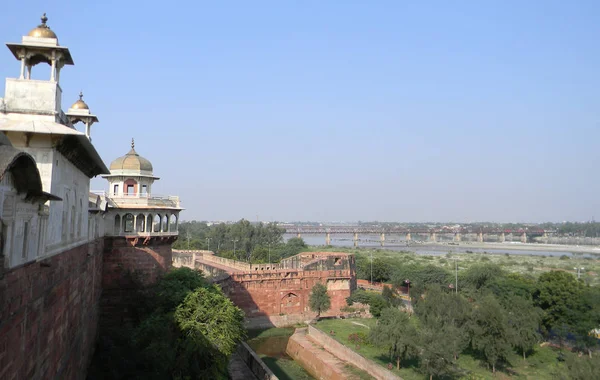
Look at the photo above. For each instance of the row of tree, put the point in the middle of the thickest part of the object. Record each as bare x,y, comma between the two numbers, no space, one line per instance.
494,313
252,242
447,324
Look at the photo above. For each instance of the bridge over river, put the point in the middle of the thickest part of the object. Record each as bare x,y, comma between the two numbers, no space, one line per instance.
430,234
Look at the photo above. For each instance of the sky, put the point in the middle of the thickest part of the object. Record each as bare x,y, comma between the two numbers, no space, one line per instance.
341,110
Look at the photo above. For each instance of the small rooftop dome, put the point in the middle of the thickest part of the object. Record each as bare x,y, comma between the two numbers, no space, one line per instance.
42,30
80,104
131,162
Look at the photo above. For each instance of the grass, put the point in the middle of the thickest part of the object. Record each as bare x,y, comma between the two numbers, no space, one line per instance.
270,332
358,374
542,364
270,345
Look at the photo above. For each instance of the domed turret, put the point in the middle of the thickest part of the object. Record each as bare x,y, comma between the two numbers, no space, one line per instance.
42,30
131,162
80,104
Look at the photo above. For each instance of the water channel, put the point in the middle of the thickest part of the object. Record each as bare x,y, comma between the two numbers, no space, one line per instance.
270,345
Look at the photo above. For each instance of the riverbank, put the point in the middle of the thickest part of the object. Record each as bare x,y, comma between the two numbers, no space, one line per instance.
511,246
533,261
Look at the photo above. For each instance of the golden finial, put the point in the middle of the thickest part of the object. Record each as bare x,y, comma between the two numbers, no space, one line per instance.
44,21
132,143
81,95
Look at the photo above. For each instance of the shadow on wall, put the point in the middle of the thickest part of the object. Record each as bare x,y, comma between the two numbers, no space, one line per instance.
127,269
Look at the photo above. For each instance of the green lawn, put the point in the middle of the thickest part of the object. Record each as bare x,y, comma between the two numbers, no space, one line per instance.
270,345
540,365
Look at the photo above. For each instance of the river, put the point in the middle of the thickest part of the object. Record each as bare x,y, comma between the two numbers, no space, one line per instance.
422,247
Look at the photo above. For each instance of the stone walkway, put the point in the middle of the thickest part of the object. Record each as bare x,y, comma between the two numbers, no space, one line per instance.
319,362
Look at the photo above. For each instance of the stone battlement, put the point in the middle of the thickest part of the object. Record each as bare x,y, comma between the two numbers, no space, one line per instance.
280,289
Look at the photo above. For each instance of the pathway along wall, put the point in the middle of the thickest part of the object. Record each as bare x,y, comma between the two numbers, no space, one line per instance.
341,352
49,315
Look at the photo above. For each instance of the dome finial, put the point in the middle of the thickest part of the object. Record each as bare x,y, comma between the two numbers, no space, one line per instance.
44,21
81,95
132,143
42,30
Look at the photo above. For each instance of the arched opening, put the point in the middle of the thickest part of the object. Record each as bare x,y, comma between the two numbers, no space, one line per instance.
149,223
128,223
173,223
130,187
140,223
290,304
117,228
157,220
165,223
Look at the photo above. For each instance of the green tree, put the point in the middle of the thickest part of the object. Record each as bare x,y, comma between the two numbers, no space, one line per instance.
293,247
524,322
512,284
558,294
207,311
389,296
319,299
481,275
435,357
395,332
448,311
581,368
490,334
172,289
587,318
360,296
191,332
377,304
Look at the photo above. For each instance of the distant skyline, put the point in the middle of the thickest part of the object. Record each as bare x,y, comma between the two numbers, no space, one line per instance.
386,110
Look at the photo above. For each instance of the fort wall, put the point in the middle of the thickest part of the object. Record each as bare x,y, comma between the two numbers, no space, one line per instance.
278,294
130,265
49,314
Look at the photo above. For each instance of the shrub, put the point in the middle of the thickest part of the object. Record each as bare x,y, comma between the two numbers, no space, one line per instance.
359,338
565,257
348,309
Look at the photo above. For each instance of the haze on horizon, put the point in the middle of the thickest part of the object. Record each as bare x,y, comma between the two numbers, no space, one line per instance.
347,111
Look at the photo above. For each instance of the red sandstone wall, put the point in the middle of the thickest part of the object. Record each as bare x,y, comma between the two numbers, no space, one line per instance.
128,266
259,295
49,315
312,359
348,355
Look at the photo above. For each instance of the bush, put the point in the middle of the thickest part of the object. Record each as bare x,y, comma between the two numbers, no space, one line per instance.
564,257
359,338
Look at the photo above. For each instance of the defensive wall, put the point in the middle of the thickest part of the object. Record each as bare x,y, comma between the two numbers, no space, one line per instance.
278,293
50,309
254,363
130,264
49,312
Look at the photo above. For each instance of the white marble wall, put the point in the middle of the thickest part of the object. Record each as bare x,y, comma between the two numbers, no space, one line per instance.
22,226
32,95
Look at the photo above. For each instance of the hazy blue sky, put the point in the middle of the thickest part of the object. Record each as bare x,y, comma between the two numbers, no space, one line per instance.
342,110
